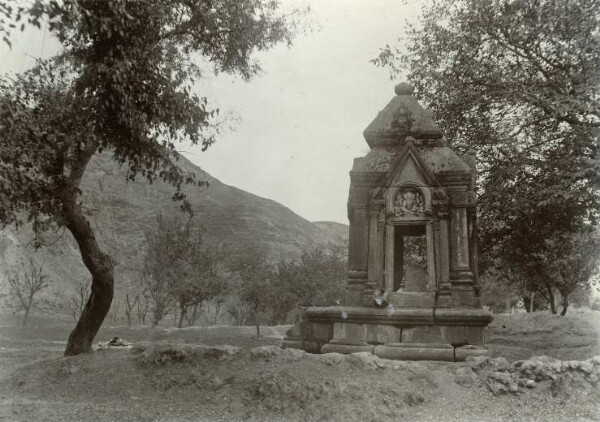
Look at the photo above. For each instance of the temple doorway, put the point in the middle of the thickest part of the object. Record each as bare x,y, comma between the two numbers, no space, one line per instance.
410,258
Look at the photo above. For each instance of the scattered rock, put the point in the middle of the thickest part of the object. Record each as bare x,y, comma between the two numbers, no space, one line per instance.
479,363
530,384
160,353
265,352
365,361
113,343
330,359
292,354
216,382
501,382
413,399
465,376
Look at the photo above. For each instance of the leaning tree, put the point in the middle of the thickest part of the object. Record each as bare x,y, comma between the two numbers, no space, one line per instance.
123,82
518,81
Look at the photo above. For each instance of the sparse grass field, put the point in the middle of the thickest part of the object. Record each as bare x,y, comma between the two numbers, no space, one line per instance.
180,382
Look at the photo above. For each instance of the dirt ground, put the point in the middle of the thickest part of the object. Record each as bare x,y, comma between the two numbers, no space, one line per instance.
226,373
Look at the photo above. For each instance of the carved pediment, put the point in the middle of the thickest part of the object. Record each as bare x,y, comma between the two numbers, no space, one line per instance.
409,168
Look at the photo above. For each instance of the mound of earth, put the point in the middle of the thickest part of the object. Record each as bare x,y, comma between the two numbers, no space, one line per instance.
522,335
184,382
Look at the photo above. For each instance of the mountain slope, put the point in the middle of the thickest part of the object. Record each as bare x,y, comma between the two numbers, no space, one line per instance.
337,233
122,212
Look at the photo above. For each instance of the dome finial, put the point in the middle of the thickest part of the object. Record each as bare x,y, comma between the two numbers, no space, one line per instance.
404,88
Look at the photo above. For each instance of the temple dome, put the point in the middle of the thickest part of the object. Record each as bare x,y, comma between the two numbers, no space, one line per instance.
402,117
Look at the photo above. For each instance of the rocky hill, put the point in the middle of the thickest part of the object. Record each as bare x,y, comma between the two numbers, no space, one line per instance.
122,212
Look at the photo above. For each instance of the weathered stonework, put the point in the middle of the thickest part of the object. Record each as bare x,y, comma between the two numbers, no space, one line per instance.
411,185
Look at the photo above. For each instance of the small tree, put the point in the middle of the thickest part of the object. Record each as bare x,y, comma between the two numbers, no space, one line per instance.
256,280
142,309
25,285
113,314
130,305
158,298
213,309
183,271
566,263
315,279
76,302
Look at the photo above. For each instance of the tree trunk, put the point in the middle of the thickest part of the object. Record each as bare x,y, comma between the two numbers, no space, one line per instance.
552,305
98,263
26,315
532,301
565,304
217,311
257,325
101,267
181,317
156,317
551,300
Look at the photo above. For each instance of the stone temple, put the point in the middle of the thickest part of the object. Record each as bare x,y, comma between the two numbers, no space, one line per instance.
412,261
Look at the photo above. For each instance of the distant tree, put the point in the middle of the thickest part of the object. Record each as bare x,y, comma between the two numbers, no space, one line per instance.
26,284
566,263
156,292
518,81
239,310
79,296
316,278
182,268
130,304
214,307
114,313
498,289
142,309
124,81
254,288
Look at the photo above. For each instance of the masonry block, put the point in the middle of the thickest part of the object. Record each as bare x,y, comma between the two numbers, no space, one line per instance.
424,334
381,334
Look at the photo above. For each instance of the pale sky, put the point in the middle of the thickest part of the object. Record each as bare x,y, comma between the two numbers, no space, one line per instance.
299,125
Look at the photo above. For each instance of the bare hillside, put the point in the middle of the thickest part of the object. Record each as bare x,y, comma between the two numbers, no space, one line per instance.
121,212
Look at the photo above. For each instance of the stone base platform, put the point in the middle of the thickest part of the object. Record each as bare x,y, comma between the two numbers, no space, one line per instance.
405,334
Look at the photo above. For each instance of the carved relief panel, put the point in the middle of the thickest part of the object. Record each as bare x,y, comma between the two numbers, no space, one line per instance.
408,201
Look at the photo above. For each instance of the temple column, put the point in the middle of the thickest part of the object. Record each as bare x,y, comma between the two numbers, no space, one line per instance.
359,245
431,270
398,261
444,254
380,251
389,258
459,238
361,239
472,229
373,245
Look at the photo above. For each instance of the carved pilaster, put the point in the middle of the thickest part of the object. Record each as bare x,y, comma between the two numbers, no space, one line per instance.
444,254
389,258
372,243
459,248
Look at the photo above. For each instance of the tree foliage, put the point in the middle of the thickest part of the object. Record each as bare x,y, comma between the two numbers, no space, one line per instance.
123,81
518,81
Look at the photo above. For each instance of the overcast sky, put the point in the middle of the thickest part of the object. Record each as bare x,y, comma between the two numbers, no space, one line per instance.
300,123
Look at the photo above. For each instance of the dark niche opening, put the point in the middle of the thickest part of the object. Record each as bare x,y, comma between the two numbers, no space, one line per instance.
410,258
